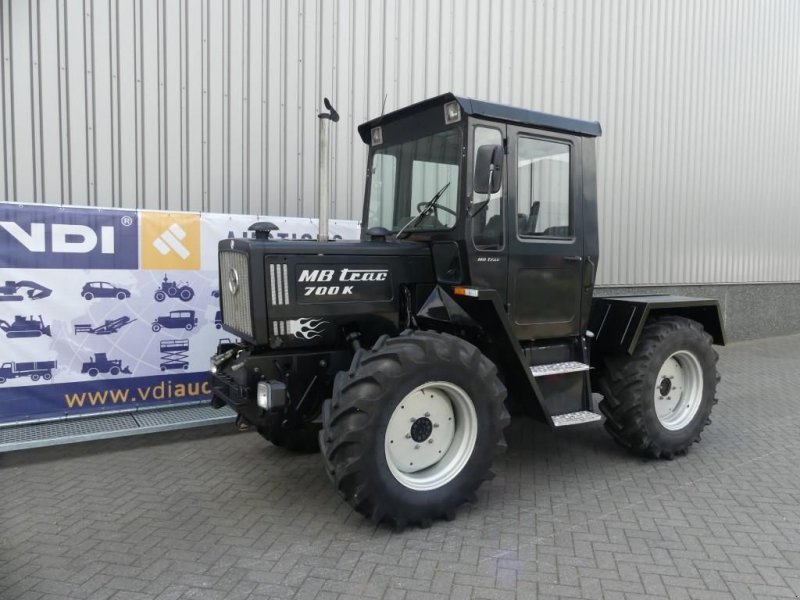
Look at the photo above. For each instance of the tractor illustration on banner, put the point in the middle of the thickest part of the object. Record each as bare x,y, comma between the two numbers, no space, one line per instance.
172,289
100,363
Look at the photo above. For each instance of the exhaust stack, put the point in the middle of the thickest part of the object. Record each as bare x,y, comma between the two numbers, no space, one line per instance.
323,180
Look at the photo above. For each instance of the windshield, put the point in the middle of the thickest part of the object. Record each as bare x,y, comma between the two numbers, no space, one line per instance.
405,177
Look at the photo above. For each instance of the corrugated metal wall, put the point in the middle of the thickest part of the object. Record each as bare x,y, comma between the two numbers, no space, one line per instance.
210,105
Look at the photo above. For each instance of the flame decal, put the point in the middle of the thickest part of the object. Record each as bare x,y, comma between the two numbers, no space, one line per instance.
306,328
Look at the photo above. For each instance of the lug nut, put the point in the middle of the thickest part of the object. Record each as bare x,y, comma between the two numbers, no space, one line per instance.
413,419
435,424
430,440
408,436
427,414
416,447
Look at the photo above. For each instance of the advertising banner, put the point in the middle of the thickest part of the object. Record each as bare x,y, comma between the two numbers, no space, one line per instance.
108,309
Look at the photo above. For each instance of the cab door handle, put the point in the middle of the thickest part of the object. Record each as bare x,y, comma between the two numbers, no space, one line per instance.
573,258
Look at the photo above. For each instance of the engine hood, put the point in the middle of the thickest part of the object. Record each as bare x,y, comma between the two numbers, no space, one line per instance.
310,294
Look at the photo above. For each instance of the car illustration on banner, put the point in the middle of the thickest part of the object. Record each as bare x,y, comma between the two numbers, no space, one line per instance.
34,370
100,363
25,327
103,289
176,319
109,326
171,289
174,354
10,292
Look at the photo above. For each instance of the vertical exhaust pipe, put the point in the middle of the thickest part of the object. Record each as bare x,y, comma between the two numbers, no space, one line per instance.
323,179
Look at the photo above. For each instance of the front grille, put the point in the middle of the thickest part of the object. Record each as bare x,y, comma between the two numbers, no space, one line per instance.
235,301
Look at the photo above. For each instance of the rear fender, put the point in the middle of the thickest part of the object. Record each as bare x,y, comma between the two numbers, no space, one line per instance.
617,322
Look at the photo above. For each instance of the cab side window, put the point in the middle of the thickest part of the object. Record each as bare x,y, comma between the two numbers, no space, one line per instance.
543,208
488,226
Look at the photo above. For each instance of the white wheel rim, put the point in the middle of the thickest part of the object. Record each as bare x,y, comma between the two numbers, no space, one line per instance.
431,435
678,390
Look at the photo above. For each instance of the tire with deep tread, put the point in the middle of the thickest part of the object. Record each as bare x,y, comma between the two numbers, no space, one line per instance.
627,384
364,398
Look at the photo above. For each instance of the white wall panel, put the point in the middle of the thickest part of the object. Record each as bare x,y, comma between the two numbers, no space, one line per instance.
210,105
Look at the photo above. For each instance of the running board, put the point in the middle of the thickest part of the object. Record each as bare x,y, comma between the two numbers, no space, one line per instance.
23,436
575,418
558,368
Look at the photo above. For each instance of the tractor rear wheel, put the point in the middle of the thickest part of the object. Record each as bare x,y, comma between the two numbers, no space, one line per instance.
658,401
413,427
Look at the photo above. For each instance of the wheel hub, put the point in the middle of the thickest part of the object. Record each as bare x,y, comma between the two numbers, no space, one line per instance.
665,386
421,429
678,390
430,435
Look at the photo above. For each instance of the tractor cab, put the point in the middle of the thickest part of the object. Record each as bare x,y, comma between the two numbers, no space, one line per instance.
505,197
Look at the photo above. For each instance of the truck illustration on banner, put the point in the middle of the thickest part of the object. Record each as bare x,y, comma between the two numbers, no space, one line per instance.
25,327
34,370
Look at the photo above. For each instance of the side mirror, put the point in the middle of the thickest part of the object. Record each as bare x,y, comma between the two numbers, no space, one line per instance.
488,177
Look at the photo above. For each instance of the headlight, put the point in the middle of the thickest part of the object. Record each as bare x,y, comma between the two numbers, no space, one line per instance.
376,136
452,112
270,394
263,395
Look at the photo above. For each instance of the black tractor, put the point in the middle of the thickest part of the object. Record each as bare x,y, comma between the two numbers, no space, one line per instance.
469,295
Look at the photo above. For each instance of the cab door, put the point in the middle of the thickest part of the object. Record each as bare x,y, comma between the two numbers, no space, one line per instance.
545,225
487,230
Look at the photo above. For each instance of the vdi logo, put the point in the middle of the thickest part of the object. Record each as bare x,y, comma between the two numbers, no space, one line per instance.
45,237
170,241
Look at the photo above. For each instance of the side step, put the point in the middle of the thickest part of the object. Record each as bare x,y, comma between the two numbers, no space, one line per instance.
558,368
575,418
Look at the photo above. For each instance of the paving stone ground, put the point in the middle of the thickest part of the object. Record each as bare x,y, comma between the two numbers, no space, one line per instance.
207,515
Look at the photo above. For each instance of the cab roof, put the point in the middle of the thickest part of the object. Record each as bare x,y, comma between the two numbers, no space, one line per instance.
492,111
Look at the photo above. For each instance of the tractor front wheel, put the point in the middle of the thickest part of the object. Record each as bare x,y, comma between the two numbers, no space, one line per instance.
413,427
658,401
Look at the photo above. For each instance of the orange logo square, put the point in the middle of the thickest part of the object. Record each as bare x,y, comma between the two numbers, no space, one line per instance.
170,241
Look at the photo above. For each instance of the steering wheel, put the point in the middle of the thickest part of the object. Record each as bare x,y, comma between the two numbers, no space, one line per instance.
436,207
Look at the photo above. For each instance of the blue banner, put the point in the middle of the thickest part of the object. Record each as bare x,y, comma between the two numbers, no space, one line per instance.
105,310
